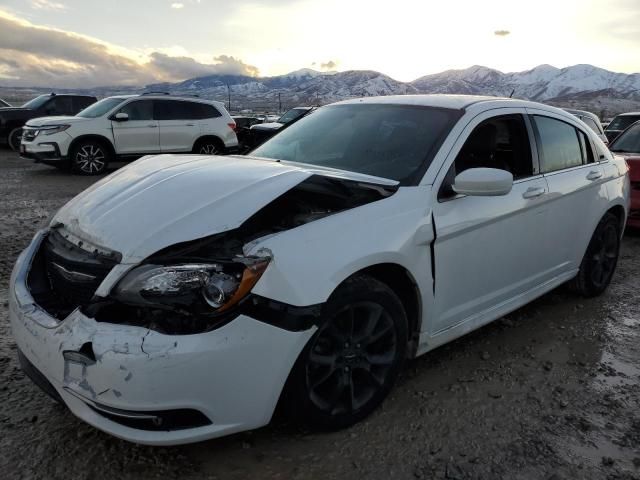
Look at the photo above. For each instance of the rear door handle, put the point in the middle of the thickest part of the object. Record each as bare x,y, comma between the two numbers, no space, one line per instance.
191,124
594,175
152,126
533,192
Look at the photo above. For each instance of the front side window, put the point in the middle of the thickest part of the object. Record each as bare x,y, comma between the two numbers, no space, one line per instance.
500,142
101,107
396,142
628,141
559,144
138,110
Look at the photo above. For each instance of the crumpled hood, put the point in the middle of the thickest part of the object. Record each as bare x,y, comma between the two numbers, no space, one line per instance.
159,201
44,121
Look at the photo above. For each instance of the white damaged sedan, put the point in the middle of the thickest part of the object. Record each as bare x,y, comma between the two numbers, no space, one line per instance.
183,297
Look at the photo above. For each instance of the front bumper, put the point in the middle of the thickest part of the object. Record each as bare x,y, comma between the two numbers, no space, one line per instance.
233,376
46,148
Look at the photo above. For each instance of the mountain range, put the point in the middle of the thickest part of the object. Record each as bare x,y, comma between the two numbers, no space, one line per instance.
582,86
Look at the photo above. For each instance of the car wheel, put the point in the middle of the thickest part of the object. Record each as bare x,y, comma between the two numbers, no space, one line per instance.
600,260
350,364
208,147
14,139
90,157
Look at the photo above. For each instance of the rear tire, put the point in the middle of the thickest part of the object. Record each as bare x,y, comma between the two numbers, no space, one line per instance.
14,139
209,146
600,260
90,157
352,361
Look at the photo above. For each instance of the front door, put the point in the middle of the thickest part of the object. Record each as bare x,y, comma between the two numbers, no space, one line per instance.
140,133
487,249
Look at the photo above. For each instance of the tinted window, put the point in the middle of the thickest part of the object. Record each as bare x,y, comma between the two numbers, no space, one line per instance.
183,110
622,121
500,142
80,103
59,106
138,110
390,141
585,147
559,144
628,141
100,108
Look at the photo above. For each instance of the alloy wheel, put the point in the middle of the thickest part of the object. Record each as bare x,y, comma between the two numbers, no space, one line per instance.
208,149
605,254
90,159
351,358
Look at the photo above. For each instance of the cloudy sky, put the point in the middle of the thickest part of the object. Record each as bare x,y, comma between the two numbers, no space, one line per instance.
131,42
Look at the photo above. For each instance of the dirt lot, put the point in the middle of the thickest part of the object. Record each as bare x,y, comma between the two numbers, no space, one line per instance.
551,392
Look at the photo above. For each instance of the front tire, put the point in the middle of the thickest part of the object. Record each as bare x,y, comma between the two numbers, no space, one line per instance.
14,139
90,157
352,361
600,260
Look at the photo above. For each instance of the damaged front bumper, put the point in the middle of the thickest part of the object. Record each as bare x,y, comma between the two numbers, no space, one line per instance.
148,387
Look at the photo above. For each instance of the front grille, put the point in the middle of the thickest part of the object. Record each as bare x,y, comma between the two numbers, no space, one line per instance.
28,134
64,276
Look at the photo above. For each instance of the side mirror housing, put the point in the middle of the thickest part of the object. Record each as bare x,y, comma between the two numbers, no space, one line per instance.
483,182
121,117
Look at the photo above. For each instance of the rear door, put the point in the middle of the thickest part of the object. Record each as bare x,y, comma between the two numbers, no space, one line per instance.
179,122
140,133
576,183
487,249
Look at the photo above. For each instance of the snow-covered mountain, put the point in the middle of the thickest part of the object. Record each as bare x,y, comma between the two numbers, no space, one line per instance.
582,86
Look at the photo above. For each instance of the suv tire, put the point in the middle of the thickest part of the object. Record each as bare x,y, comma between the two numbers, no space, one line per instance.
14,139
90,157
350,364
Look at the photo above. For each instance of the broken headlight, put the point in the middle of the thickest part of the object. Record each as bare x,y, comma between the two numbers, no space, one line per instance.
197,288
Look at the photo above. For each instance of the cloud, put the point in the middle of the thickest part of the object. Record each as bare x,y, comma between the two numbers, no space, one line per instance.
47,5
177,6
31,55
330,65
501,33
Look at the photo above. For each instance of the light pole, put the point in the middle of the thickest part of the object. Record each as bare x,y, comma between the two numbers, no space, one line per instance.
229,95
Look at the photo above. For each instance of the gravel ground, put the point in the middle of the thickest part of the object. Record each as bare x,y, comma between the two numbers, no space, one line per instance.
550,392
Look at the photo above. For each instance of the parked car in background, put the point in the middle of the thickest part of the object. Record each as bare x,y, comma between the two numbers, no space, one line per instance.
243,124
620,123
128,127
184,297
262,132
592,121
4,103
12,119
627,144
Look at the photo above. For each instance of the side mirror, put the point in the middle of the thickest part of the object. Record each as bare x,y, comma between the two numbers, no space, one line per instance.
483,182
121,117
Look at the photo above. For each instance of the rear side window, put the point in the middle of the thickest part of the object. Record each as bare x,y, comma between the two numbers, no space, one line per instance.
59,106
183,110
138,110
559,144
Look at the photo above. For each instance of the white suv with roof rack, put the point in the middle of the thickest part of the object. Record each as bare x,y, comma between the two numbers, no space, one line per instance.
127,127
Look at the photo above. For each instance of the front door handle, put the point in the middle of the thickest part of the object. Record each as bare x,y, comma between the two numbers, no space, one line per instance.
533,192
594,175
152,126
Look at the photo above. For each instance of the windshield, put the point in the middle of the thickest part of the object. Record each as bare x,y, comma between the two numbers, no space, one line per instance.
628,141
291,115
100,108
36,102
390,141
622,121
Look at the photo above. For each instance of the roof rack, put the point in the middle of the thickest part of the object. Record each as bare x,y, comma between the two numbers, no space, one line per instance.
155,93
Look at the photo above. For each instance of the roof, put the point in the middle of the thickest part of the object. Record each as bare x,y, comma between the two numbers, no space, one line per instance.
628,113
439,100
162,96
